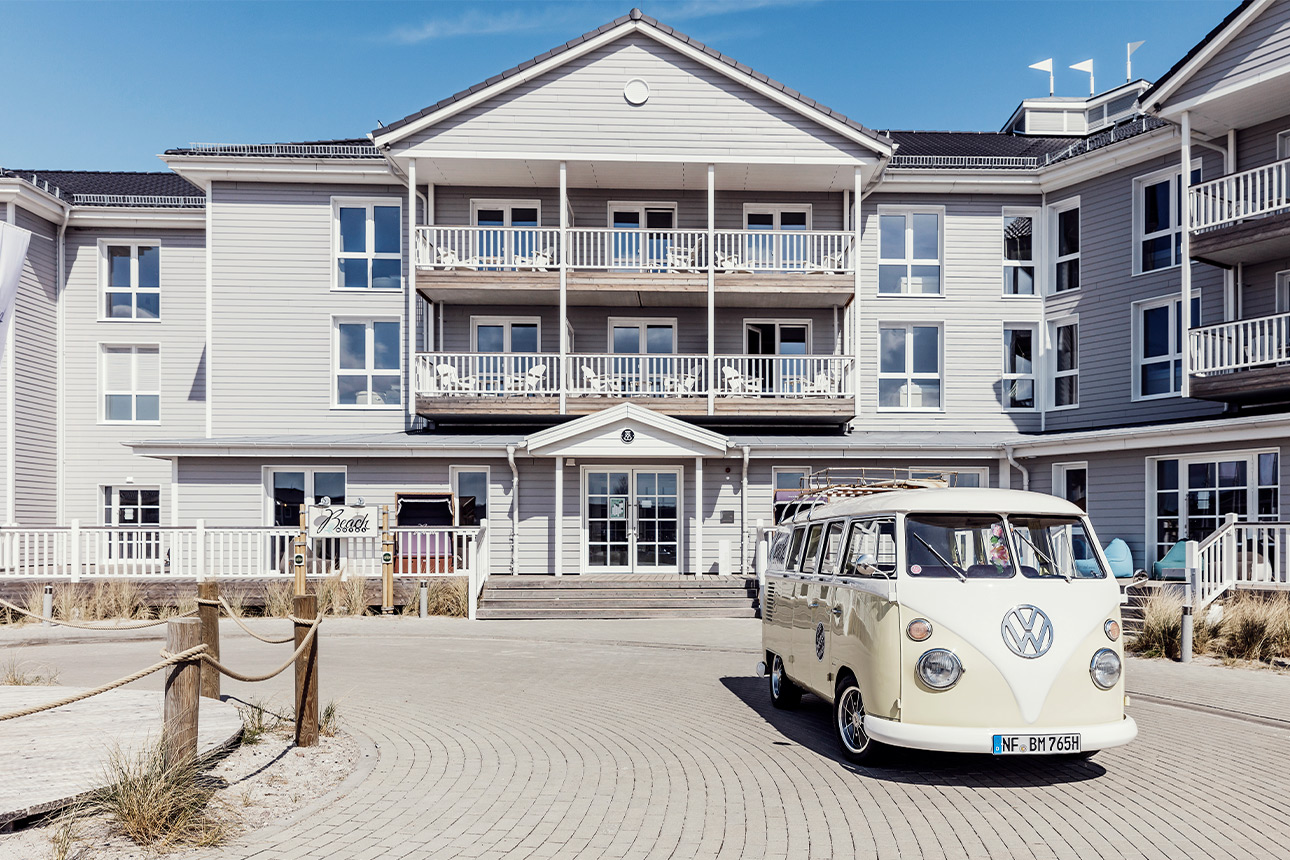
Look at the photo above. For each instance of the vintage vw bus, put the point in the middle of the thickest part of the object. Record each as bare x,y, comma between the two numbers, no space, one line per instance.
965,620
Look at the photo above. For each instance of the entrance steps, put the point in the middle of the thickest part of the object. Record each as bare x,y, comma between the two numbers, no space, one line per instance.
622,596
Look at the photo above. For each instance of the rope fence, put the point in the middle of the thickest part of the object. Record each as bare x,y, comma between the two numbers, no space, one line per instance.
81,625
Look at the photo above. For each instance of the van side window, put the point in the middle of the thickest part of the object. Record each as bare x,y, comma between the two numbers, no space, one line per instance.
779,549
875,538
795,549
832,548
812,548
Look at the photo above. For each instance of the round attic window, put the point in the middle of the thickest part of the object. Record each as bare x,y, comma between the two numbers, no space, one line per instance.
636,91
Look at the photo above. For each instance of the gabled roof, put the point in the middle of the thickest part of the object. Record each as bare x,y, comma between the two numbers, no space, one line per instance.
1213,41
562,439
633,21
116,187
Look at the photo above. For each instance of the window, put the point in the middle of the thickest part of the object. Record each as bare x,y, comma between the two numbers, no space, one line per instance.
1070,482
956,476
292,488
1192,495
832,547
874,538
1066,246
1065,350
795,549
470,486
137,510
369,244
965,546
1157,219
779,248
1158,344
812,548
1019,368
1283,292
789,483
131,383
909,367
909,252
505,334
367,364
131,278
1018,253
1283,145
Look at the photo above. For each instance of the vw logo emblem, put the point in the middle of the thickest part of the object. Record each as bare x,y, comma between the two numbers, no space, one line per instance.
1027,631
819,641
628,436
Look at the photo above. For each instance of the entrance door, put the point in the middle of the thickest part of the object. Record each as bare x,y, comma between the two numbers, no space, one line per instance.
631,520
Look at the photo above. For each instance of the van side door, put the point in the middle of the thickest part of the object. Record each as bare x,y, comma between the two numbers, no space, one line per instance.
826,615
807,595
870,641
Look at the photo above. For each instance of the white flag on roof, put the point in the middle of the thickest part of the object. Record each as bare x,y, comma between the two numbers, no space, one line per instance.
13,250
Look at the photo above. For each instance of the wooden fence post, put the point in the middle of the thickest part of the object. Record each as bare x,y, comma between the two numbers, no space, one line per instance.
387,563
306,609
298,551
183,685
208,614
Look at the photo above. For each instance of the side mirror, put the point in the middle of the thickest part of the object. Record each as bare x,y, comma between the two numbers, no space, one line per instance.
867,565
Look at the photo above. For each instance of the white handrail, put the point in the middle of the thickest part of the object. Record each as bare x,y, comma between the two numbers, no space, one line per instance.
1240,344
637,250
487,374
1241,551
809,251
1248,194
534,249
637,375
779,376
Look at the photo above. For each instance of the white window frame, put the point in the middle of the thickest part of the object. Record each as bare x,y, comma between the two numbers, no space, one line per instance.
642,322
1283,145
1054,216
453,472
505,204
1173,176
338,203
776,210
1036,251
105,277
115,504
506,322
778,323
982,472
774,475
638,206
1059,479
1174,354
134,391
1053,373
369,357
1033,376
908,375
266,485
1283,292
909,261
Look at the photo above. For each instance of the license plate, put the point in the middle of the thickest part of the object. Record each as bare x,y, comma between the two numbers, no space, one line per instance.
1036,744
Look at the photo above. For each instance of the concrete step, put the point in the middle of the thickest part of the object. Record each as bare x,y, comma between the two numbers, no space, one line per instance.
574,583
487,612
579,602
619,593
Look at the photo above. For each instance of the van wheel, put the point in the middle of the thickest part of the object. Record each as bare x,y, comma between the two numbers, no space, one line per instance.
783,692
848,723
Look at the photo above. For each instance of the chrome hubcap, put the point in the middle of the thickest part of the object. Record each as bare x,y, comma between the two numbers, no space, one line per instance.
776,676
851,721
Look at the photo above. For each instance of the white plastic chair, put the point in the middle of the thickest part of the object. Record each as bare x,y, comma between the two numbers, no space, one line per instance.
530,381
600,384
822,383
737,383
449,260
732,263
450,380
540,260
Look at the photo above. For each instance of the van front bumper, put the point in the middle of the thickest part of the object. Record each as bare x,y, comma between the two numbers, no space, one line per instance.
981,740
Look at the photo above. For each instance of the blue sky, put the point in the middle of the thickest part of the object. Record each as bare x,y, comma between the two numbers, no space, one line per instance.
107,86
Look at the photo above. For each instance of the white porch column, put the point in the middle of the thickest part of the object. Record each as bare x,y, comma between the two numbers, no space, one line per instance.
410,319
564,287
698,516
712,288
1185,181
559,516
1005,473
856,220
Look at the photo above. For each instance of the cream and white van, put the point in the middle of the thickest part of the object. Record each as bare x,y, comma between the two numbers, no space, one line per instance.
964,620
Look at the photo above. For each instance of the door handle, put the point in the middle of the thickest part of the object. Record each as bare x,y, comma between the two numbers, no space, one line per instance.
814,605
837,610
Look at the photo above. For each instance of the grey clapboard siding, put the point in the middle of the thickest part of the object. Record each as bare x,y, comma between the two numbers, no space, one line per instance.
1260,48
1257,145
1104,302
693,113
1259,290
272,275
95,453
34,345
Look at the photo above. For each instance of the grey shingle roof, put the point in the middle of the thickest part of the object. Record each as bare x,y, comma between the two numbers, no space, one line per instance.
115,187
636,15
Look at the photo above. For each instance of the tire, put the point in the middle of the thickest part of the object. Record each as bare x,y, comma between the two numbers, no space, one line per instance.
848,725
784,693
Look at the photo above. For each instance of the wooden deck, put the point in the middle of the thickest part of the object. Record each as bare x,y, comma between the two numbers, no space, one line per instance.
1253,385
1254,240
810,410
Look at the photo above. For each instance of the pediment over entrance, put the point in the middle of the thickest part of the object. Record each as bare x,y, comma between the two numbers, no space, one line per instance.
627,430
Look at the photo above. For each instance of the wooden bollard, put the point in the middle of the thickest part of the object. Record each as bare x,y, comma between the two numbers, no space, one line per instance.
208,614
306,609
183,688
387,564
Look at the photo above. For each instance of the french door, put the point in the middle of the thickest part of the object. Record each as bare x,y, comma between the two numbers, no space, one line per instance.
1194,494
785,375
631,340
631,520
637,240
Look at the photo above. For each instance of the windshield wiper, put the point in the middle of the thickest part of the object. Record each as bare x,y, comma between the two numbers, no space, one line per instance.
954,567
1039,552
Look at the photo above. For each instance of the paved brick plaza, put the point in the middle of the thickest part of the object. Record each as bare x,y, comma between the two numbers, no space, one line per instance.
653,739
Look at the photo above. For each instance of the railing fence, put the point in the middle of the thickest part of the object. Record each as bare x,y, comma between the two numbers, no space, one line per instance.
1240,344
1250,193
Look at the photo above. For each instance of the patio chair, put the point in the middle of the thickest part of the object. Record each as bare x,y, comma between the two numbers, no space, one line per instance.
682,386
732,263
529,382
600,384
683,258
450,381
738,384
539,261
822,383
830,264
449,260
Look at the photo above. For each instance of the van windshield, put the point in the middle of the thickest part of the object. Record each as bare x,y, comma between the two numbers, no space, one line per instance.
965,546
1055,547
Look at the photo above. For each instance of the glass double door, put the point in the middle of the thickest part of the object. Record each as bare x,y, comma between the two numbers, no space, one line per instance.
631,520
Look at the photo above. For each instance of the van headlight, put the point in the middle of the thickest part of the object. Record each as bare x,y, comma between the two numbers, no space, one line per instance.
939,669
1105,668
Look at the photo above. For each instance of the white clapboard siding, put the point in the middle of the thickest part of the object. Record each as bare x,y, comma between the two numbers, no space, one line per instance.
1263,47
34,344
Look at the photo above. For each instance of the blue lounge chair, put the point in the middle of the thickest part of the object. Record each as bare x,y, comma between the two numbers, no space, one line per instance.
1120,558
1172,565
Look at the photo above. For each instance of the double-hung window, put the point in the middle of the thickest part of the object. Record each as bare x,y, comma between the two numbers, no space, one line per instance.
1065,245
909,369
1157,219
1019,367
1070,482
1018,253
366,368
131,279
130,382
909,251
368,238
1064,349
1158,341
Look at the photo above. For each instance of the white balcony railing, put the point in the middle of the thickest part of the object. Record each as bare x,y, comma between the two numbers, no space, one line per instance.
617,375
650,251
1240,345
1248,194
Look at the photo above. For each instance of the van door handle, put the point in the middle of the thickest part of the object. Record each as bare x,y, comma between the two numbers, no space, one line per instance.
814,605
837,610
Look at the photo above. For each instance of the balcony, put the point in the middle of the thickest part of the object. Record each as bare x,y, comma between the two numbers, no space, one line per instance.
801,389
1243,217
462,264
1245,361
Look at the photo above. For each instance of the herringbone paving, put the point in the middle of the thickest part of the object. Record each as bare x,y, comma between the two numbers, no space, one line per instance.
652,739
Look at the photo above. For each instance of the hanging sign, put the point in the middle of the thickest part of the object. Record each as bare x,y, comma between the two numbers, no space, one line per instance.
336,521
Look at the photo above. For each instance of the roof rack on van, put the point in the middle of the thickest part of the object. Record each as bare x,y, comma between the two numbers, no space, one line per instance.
844,482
